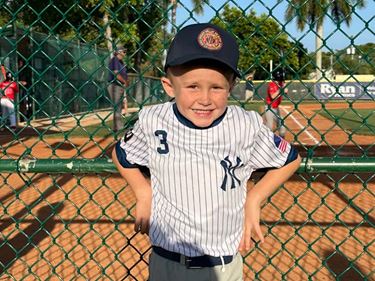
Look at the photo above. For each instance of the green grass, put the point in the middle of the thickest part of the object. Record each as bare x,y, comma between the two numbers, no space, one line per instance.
105,130
92,131
347,119
253,105
357,121
97,130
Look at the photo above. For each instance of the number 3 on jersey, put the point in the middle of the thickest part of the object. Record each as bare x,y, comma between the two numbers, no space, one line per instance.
162,135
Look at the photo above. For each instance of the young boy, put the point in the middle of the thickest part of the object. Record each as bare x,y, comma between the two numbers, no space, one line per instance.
200,153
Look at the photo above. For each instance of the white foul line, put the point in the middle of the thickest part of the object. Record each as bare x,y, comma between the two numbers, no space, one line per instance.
299,124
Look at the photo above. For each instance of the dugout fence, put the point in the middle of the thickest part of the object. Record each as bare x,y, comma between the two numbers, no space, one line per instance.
65,214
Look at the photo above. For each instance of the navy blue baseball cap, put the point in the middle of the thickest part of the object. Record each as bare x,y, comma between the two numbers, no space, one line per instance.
203,41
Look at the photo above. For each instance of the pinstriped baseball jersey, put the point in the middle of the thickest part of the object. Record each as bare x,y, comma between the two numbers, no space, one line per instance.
199,175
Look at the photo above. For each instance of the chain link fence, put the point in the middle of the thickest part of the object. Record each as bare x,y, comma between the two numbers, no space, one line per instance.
65,214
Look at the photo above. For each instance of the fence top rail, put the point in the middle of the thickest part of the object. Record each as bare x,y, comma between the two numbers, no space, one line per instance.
102,165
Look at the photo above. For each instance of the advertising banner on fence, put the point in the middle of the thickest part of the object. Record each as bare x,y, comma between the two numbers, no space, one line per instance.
345,90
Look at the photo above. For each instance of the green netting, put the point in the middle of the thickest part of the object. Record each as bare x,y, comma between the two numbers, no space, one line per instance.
65,213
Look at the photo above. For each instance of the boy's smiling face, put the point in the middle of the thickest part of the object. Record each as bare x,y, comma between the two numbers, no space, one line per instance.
201,92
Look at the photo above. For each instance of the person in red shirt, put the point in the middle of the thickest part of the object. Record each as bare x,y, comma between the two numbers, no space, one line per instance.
8,91
275,91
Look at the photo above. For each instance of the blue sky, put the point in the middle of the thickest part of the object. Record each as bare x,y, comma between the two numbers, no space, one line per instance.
362,28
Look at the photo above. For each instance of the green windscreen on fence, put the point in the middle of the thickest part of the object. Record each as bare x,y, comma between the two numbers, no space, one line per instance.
65,212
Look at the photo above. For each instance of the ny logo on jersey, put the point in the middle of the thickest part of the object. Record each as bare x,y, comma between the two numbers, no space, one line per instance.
229,170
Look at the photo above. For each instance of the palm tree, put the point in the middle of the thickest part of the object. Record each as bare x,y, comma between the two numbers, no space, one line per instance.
313,12
198,9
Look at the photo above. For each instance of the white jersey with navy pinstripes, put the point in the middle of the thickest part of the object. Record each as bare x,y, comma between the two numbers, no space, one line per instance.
199,176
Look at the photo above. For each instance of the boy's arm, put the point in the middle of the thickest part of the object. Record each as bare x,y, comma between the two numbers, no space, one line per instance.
256,195
15,87
273,90
275,94
142,190
3,71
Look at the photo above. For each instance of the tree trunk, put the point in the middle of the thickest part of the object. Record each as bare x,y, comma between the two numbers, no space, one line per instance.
108,32
165,31
318,48
173,16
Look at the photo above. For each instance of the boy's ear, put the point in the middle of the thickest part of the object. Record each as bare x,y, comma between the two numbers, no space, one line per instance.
167,86
232,85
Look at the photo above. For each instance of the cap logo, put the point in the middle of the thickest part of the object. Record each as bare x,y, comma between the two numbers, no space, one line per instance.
210,39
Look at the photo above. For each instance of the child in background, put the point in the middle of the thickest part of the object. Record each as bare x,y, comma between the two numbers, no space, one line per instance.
275,91
9,89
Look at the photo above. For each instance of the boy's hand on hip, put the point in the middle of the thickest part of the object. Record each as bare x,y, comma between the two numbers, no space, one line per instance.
142,215
251,225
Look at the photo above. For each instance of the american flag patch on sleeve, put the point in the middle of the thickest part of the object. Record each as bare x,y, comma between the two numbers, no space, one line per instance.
280,143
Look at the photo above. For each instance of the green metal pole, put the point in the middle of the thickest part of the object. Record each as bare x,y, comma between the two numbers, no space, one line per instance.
57,166
313,165
342,164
